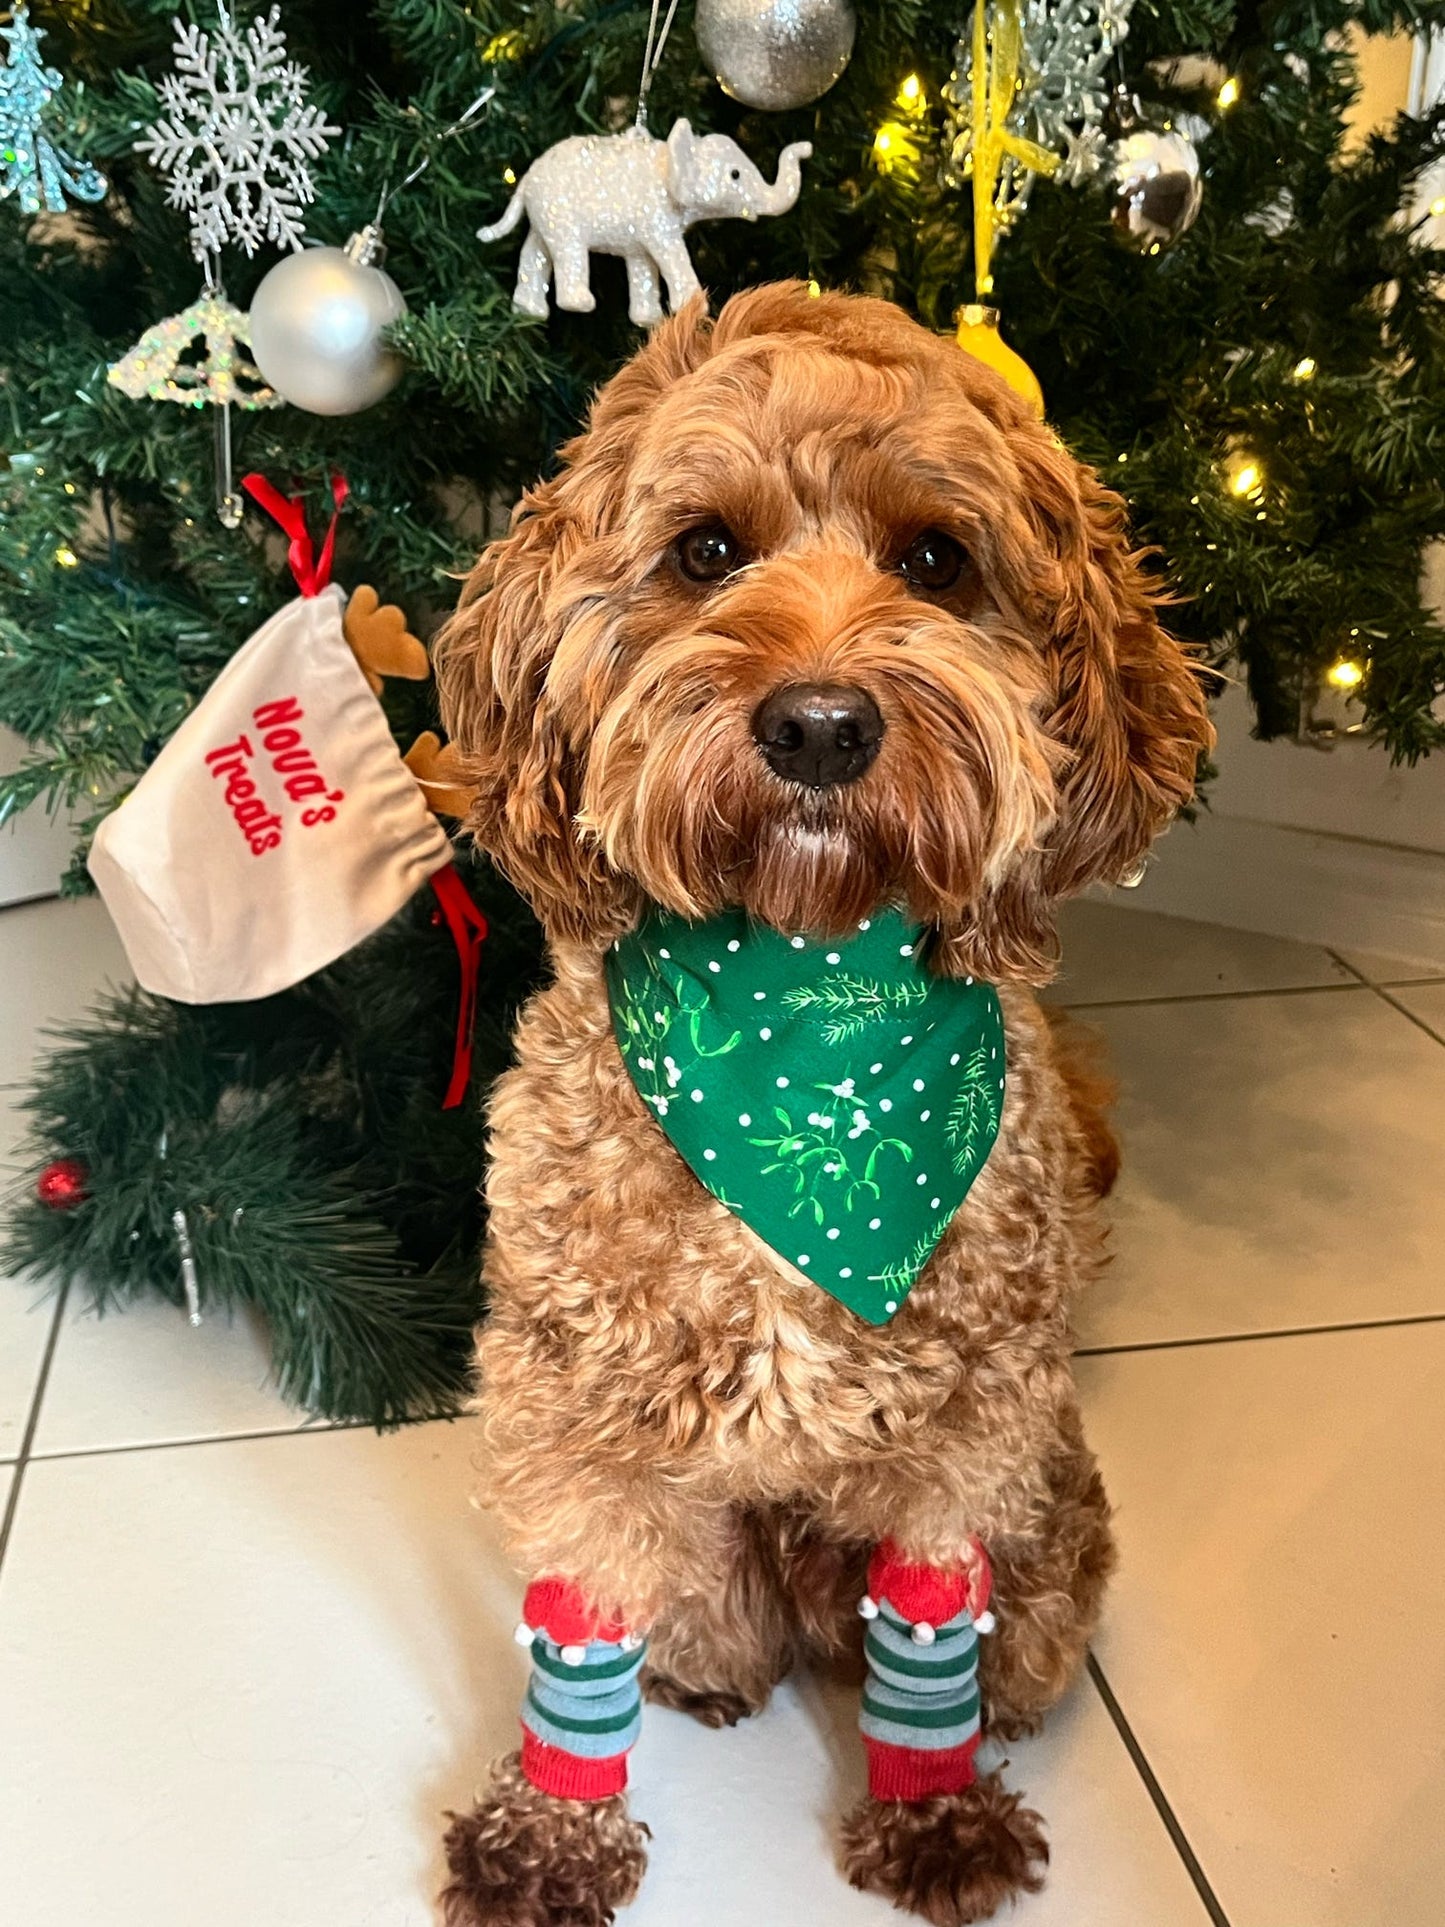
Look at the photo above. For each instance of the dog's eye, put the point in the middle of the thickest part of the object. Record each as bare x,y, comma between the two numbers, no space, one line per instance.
709,553
932,561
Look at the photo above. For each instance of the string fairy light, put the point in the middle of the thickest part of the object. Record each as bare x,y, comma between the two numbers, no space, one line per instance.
895,147
1243,474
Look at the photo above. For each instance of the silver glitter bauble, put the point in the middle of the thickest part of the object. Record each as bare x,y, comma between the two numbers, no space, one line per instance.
316,327
1155,188
775,53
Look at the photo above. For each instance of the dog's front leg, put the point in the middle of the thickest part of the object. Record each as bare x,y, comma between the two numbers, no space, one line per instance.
933,1834
612,1547
551,1842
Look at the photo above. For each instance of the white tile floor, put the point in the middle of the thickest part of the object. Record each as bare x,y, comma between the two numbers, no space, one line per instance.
244,1664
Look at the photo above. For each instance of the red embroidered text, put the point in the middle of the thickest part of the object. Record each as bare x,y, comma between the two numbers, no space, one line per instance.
293,761
300,775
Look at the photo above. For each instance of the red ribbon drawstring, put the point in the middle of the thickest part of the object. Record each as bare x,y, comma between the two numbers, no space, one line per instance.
469,932
312,573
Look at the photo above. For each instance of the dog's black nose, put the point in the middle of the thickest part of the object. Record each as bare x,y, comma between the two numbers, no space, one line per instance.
818,733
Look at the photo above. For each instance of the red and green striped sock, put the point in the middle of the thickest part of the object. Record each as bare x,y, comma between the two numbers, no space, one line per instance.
920,1713
583,1709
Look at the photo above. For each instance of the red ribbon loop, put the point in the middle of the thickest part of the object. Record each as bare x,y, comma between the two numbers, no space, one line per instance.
312,573
469,932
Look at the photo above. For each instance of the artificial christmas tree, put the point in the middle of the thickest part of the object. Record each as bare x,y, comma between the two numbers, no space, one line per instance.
1267,389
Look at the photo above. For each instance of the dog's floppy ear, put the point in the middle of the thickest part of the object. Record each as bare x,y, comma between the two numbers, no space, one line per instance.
1127,710
521,666
1129,706
494,660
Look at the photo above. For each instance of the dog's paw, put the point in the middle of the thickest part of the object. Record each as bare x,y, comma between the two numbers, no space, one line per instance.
1002,1722
721,1708
953,1859
524,1859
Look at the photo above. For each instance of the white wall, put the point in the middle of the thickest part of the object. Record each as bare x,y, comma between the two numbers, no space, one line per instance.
34,848
1329,846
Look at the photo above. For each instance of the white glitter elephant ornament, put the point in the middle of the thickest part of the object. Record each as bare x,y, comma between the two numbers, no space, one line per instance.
634,195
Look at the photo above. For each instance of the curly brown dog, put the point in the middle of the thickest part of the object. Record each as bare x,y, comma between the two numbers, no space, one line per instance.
682,1436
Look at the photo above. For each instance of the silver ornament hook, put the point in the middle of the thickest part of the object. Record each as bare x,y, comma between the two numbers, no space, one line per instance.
487,94
652,56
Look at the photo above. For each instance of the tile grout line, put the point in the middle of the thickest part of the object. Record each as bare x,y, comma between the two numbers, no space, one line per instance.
1406,1012
1208,1898
22,1460
26,903
1214,996
1249,1338
1382,991
1354,969
320,1429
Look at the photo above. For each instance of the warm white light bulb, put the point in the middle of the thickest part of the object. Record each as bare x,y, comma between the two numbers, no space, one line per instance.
1245,479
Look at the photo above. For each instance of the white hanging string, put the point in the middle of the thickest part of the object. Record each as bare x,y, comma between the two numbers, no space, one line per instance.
652,57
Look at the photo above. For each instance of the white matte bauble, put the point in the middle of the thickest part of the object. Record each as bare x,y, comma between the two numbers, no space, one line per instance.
316,327
776,53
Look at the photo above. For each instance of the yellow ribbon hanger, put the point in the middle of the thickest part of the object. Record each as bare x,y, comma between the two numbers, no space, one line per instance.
995,83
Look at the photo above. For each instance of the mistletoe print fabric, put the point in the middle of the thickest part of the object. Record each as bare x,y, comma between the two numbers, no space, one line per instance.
833,1095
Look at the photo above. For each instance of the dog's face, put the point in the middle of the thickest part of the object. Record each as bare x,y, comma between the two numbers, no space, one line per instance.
816,616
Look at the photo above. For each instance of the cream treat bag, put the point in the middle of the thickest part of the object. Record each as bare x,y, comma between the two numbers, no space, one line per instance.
279,826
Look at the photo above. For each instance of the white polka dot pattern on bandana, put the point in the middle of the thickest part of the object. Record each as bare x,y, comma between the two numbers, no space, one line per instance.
856,1117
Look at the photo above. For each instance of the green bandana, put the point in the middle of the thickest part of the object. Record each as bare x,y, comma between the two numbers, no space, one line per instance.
834,1096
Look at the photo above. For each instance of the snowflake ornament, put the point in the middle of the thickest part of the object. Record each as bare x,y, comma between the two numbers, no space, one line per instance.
1058,105
237,135
31,165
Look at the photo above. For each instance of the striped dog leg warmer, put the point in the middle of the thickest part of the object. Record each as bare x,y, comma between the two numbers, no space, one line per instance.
920,1717
583,1709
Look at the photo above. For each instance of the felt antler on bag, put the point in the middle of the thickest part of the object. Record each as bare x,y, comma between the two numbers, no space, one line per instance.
381,641
436,766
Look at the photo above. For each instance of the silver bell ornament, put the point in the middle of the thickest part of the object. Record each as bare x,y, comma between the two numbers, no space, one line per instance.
1155,188
775,54
316,327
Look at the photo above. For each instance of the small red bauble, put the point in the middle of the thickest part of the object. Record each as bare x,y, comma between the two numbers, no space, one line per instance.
63,1185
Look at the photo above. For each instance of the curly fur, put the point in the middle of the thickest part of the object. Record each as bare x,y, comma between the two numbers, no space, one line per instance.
952,1859
670,1415
522,1859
